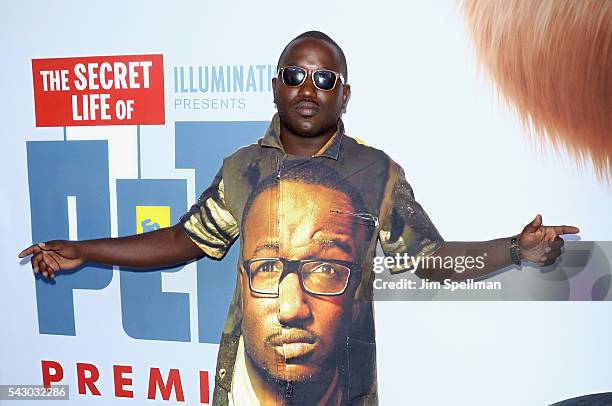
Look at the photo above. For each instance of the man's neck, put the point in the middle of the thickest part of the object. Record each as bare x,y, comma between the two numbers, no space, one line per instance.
303,146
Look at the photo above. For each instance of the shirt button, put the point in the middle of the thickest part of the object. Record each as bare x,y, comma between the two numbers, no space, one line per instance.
222,373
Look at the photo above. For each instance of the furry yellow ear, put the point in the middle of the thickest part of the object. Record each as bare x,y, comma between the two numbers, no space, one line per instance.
551,60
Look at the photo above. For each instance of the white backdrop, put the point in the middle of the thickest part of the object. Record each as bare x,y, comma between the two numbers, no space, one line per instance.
416,94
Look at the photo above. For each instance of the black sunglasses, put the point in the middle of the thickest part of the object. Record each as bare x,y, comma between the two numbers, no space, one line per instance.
323,79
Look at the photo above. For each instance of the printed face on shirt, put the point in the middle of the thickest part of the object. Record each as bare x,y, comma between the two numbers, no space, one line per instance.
298,336
305,110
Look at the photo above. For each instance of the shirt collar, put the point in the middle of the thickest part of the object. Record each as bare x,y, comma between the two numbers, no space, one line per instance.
331,149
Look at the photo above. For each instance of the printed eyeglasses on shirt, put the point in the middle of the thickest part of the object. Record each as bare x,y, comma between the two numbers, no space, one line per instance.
318,277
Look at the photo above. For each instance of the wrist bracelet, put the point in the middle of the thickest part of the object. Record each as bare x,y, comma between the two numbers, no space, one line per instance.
515,250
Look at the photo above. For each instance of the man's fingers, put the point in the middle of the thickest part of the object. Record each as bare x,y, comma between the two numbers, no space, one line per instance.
544,261
549,258
44,264
49,271
40,262
31,250
54,245
26,252
556,244
51,262
41,246
43,269
56,265
559,230
535,224
35,263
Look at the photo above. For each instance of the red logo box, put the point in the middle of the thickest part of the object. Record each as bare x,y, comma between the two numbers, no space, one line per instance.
99,90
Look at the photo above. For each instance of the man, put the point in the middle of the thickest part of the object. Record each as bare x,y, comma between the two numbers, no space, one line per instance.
310,92
300,271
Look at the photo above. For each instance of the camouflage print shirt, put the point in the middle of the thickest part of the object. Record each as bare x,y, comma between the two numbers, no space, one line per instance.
375,203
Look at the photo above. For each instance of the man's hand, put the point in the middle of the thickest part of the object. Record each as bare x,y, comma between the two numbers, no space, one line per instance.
542,244
53,256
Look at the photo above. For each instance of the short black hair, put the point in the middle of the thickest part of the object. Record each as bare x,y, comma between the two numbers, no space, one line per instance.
323,37
309,172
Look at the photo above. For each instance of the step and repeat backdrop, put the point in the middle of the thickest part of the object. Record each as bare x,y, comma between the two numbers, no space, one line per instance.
115,118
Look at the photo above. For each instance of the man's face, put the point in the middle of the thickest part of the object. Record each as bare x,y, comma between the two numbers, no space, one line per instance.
305,110
298,336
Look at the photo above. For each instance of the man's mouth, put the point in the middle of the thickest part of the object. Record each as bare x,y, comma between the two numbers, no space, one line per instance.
306,108
293,343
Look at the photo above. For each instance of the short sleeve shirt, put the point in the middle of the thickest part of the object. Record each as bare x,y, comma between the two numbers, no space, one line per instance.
358,188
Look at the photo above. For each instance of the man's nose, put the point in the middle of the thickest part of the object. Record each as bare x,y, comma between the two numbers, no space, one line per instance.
293,301
308,89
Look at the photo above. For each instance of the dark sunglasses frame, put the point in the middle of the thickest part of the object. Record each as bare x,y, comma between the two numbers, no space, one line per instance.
308,72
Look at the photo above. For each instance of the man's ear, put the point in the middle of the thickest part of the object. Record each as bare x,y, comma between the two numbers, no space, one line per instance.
346,95
274,91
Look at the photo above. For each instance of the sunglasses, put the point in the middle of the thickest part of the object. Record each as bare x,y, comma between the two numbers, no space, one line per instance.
323,79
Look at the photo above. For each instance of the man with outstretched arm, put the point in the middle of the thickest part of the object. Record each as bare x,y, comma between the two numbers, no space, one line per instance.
170,246
304,268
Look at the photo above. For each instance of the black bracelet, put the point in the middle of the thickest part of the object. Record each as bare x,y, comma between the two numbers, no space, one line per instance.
515,250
